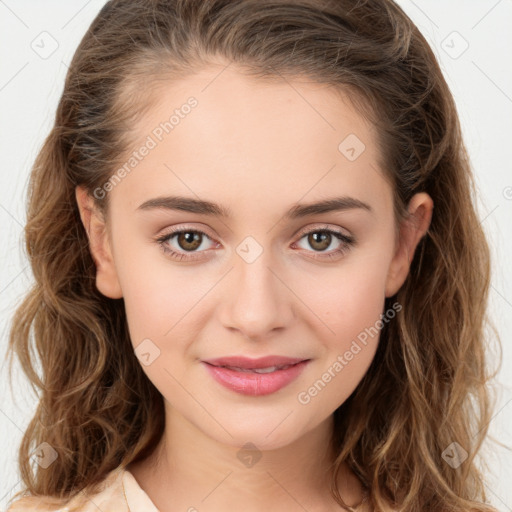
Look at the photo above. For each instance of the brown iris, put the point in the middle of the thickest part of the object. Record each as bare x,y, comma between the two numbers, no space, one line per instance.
189,240
322,238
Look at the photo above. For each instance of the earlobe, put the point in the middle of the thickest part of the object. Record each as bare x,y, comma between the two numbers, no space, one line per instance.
107,280
412,231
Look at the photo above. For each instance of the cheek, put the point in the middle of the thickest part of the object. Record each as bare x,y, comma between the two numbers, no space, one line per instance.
158,304
156,295
361,301
350,335
351,305
351,298
354,324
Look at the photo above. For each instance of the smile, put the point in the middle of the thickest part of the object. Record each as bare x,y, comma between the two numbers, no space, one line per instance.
255,381
257,370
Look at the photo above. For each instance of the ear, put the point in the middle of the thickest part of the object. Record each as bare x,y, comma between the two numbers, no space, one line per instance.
106,276
412,231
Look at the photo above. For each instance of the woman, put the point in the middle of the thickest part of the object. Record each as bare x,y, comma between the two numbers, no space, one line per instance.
261,281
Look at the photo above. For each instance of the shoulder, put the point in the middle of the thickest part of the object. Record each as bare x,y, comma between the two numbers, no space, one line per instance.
109,498
37,504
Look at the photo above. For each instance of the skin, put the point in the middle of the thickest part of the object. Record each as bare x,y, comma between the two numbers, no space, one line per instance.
257,148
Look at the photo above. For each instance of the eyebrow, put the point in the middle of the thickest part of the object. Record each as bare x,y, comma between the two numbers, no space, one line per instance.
191,205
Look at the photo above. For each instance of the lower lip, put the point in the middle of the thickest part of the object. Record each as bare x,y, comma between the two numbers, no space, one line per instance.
255,384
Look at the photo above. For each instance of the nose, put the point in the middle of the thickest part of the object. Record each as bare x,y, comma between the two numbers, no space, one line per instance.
258,300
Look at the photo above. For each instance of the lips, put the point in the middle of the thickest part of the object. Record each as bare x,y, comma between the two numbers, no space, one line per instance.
269,369
261,363
255,377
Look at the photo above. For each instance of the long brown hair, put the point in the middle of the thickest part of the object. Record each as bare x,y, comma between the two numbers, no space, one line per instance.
428,385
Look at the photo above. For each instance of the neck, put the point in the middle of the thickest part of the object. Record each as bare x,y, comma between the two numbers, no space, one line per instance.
190,469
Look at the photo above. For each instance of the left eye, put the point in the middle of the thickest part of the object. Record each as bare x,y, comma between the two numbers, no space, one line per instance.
321,240
190,240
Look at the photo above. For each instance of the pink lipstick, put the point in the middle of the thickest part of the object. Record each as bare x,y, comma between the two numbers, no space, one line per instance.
255,377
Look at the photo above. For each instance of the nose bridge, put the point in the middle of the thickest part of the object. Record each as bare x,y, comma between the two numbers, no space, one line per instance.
258,301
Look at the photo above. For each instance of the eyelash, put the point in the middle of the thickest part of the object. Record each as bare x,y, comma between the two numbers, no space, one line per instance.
348,242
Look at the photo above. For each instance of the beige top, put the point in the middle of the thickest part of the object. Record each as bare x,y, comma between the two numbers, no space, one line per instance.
120,492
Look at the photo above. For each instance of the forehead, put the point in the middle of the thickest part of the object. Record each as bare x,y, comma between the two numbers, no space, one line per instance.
234,139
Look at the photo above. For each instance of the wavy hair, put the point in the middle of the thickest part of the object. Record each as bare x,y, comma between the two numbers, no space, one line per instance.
428,385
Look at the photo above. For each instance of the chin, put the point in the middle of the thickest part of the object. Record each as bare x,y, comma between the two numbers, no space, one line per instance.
265,435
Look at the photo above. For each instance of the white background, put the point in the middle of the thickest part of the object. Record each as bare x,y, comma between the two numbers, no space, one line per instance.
480,79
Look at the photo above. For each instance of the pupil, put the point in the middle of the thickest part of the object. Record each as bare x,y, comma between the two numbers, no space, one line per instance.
188,238
322,238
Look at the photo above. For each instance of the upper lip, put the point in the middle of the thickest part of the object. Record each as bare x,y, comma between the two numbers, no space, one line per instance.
251,364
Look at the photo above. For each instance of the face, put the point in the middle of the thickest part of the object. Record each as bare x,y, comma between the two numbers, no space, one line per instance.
267,277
